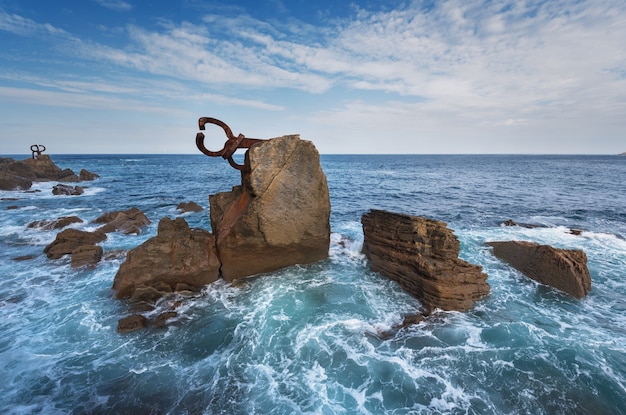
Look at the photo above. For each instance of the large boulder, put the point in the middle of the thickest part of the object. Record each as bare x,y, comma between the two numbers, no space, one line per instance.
55,224
280,214
563,269
124,221
177,257
422,255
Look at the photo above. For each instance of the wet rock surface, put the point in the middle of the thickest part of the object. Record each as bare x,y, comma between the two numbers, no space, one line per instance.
422,255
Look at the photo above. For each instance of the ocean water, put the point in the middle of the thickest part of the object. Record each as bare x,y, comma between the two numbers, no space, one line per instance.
307,339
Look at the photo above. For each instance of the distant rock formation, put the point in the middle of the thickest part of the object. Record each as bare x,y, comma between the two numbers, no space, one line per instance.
65,190
124,221
279,216
19,175
189,207
178,258
422,255
563,269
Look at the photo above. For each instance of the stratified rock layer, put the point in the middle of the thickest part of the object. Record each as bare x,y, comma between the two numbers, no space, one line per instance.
422,255
280,214
19,174
177,256
563,269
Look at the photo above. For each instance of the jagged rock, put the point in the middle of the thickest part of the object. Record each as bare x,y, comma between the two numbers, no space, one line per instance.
422,255
279,216
163,318
176,255
69,239
19,175
189,207
55,224
87,175
563,269
131,323
65,190
86,255
125,221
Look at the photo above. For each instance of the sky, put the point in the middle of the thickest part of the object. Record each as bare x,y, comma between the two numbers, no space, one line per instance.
353,77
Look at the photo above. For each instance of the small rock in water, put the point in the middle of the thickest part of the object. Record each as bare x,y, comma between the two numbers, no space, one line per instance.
131,323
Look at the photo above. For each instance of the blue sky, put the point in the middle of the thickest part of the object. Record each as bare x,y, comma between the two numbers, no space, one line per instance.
459,76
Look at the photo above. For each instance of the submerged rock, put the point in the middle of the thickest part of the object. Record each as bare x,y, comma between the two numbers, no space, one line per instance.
132,323
563,269
177,255
55,224
422,255
280,214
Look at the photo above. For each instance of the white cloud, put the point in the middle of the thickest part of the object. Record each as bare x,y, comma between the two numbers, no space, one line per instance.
116,5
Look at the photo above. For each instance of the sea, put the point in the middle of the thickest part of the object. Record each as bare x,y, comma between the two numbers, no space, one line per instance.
323,338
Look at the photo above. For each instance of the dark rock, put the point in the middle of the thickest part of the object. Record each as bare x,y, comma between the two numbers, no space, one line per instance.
163,318
563,269
124,221
65,190
87,175
24,258
279,216
12,207
55,224
69,239
132,323
19,175
422,255
189,207
86,255
176,255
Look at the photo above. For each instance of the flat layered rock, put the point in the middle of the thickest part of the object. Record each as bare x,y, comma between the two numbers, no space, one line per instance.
422,255
563,269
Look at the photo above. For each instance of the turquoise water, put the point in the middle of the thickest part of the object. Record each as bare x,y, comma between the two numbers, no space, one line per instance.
307,339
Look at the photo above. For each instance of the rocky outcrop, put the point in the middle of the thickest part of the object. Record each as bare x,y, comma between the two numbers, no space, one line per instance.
65,190
422,255
59,223
280,214
19,175
86,255
124,221
189,207
563,269
69,239
178,258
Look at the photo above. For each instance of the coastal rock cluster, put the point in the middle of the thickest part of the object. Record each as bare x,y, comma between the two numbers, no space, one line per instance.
20,175
278,216
422,255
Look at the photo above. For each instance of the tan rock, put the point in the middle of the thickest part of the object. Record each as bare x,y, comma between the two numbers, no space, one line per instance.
69,239
563,269
124,221
177,255
280,214
132,323
189,207
86,255
55,224
422,255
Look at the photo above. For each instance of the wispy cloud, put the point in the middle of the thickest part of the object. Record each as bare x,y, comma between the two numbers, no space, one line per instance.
117,5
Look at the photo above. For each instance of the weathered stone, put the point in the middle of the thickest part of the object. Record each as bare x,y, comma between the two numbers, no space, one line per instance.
422,255
124,221
19,175
132,323
87,175
69,239
279,216
55,224
176,255
65,190
163,318
189,207
563,269
86,255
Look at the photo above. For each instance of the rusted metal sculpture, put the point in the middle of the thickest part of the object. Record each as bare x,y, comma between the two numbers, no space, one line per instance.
38,149
230,146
